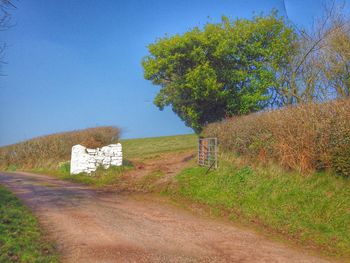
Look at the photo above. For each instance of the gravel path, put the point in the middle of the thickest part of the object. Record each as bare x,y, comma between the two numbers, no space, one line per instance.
94,226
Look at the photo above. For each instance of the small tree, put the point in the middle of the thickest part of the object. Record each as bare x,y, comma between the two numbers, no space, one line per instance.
222,70
319,64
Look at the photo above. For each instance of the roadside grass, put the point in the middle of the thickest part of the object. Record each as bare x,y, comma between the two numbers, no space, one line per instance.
144,148
100,178
21,239
312,210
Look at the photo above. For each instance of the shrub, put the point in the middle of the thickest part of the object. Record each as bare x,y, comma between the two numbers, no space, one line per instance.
49,150
305,138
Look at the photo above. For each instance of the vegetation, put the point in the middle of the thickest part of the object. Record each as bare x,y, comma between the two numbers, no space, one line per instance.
20,237
305,138
221,70
48,151
318,67
100,178
242,66
313,211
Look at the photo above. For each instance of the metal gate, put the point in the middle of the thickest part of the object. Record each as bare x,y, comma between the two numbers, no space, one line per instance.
208,152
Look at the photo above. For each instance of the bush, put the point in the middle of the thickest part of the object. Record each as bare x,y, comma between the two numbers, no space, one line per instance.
305,138
49,150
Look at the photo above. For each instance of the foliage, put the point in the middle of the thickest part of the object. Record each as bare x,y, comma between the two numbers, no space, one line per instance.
336,60
221,70
318,67
20,237
313,211
49,150
304,138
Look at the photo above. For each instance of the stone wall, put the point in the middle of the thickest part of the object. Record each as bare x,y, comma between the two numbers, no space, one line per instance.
86,160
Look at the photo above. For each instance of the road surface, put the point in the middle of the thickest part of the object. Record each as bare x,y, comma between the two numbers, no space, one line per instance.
94,226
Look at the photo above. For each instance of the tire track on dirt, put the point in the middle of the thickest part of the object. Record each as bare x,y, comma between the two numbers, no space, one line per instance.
96,226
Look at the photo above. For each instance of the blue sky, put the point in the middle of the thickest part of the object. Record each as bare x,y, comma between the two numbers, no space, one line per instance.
74,64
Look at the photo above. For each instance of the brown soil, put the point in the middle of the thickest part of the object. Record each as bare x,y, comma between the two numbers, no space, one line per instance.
165,165
89,225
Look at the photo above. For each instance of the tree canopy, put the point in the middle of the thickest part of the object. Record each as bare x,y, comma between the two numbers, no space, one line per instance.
223,69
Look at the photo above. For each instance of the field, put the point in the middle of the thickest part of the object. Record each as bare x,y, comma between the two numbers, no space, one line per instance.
151,147
136,151
21,240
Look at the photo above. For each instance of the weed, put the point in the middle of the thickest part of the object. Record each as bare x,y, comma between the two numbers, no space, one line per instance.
20,237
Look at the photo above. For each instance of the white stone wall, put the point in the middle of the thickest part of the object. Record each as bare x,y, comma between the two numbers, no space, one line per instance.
86,160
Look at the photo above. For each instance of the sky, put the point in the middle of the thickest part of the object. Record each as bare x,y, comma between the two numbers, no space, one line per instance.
74,64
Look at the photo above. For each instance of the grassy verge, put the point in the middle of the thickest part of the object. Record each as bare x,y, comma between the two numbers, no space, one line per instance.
102,177
20,237
313,210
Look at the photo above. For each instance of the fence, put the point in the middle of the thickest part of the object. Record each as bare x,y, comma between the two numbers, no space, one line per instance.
208,152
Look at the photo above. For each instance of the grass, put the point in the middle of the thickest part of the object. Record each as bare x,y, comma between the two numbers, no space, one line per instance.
100,178
313,211
150,147
21,239
147,182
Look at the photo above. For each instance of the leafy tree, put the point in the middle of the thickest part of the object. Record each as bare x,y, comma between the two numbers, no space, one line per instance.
221,70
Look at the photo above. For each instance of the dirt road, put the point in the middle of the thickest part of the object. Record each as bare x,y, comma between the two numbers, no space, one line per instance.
92,226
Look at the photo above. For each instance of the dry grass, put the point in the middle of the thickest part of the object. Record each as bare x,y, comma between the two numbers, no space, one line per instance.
305,138
47,151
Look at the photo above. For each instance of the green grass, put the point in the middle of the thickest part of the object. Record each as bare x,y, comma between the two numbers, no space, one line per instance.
20,237
101,177
313,210
149,147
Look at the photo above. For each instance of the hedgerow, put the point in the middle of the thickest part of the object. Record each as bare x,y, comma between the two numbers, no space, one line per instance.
306,137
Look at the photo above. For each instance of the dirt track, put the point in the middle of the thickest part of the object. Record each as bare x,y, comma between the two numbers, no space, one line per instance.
92,226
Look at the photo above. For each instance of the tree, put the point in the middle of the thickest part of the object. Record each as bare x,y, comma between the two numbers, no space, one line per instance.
222,70
336,58
318,67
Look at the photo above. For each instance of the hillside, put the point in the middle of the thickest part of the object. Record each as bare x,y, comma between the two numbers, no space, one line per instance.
148,147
